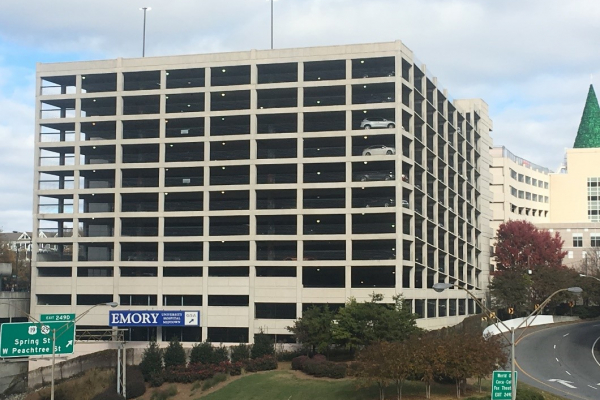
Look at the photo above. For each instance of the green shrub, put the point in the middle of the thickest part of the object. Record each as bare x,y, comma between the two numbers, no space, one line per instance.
265,363
157,379
240,352
298,362
164,394
202,353
528,394
288,355
263,346
135,382
215,380
220,354
108,394
152,362
174,354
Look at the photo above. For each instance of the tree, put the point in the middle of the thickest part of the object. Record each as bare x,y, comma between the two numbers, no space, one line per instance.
202,353
369,367
174,354
527,258
400,361
314,329
521,246
429,358
263,345
152,362
360,324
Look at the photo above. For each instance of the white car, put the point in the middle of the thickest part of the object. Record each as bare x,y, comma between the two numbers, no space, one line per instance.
376,122
379,149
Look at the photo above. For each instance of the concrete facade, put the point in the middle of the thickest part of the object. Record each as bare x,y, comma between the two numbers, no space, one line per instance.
520,189
248,186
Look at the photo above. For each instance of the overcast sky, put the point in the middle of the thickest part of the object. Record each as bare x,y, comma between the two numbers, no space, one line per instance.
530,60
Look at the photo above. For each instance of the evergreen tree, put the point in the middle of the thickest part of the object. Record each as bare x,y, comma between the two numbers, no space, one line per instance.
174,354
263,346
152,361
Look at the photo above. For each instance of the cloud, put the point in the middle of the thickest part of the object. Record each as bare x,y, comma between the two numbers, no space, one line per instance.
530,61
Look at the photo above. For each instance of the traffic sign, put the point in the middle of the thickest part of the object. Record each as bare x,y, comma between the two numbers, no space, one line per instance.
25,339
57,317
502,385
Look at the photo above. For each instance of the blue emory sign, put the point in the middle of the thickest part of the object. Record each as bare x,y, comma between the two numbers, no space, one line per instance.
154,318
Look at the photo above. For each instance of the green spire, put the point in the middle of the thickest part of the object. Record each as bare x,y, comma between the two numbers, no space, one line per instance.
588,134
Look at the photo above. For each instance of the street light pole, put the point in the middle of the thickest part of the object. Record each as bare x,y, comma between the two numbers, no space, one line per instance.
588,276
440,287
83,314
144,31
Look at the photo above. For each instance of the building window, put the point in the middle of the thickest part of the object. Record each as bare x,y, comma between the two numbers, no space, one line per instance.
521,178
545,185
545,199
577,240
527,195
534,197
521,194
593,192
534,182
595,239
570,254
513,191
513,174
528,180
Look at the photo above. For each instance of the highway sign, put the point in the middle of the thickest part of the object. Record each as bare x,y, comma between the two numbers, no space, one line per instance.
25,339
57,317
502,385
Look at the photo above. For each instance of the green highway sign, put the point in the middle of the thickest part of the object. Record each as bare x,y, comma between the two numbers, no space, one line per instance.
502,385
57,317
25,339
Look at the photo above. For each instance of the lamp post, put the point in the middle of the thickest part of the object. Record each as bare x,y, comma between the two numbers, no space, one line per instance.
589,276
440,287
144,30
64,329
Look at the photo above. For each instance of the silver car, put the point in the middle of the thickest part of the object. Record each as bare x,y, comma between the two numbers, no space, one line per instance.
379,149
376,122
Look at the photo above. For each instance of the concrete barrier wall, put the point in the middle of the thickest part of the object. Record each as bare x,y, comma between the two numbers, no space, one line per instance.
13,378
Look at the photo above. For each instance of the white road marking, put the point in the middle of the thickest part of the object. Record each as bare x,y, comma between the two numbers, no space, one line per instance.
563,382
555,346
566,334
593,355
557,360
595,388
568,372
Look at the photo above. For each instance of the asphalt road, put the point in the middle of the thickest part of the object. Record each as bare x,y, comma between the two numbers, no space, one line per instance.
559,360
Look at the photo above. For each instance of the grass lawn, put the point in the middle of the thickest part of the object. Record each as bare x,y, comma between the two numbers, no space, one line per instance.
285,385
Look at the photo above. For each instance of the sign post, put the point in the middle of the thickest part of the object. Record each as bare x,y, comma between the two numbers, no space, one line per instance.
26,339
502,385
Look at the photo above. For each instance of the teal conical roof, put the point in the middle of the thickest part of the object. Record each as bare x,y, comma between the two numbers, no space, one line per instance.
588,134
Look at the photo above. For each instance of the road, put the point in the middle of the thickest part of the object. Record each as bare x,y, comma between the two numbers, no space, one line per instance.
559,360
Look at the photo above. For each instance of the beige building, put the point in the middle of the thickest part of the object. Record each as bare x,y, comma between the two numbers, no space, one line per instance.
251,185
520,189
575,194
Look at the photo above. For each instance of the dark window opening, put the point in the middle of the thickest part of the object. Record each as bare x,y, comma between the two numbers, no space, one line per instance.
93,299
276,250
277,123
183,251
137,300
323,277
53,299
95,271
230,125
276,272
141,129
228,335
230,75
324,198
54,271
325,147
332,306
184,201
139,271
182,271
182,300
184,127
276,225
185,78
276,73
325,70
229,271
275,310
183,334
142,80
373,249
228,251
228,300
276,199
373,277
325,121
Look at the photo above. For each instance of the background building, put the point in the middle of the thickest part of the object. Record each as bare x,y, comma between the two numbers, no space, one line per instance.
575,193
251,185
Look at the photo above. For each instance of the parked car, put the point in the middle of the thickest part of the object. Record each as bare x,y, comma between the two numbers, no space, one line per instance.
379,149
376,122
380,202
375,176
405,203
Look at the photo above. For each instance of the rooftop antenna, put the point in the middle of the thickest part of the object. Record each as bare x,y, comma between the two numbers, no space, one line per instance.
144,32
